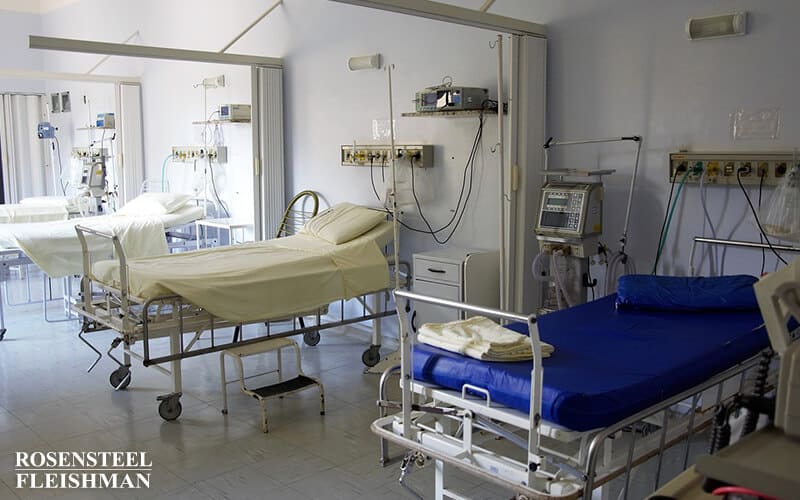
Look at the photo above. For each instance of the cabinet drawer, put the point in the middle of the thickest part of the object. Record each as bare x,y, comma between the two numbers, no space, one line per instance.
438,271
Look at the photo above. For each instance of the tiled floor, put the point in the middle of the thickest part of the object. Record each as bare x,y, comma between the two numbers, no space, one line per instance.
48,402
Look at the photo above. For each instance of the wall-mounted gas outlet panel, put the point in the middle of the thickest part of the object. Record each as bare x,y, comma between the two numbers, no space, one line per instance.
380,155
191,154
722,168
83,153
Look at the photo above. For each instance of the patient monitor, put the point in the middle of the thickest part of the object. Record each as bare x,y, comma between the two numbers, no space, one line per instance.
778,297
568,226
571,213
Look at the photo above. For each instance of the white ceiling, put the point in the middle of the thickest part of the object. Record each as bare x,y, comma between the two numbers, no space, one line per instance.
34,6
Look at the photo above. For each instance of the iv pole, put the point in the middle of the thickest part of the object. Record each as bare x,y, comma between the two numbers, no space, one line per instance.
502,181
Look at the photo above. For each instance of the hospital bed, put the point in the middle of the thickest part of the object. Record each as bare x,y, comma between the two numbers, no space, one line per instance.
43,209
220,290
13,213
55,248
621,388
74,206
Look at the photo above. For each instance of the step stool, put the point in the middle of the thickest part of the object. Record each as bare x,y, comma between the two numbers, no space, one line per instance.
296,384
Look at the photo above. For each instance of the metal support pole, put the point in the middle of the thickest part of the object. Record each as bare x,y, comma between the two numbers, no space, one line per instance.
250,26
624,238
501,162
105,58
396,227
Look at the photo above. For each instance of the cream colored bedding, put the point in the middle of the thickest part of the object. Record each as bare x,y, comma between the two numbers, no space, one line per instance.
480,338
18,213
262,280
55,248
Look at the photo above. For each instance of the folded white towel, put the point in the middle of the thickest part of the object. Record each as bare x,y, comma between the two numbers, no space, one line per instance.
480,338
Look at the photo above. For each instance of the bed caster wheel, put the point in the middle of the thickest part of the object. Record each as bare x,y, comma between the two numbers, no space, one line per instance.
311,338
371,356
120,378
2,333
170,408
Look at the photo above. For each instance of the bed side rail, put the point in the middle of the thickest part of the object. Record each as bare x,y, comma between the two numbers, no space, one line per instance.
84,235
599,461
660,412
406,341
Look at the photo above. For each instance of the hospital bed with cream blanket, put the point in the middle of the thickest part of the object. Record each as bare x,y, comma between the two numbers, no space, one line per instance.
43,209
55,248
220,290
628,377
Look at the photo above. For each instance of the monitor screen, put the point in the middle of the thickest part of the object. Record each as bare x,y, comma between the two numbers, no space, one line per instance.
555,219
559,201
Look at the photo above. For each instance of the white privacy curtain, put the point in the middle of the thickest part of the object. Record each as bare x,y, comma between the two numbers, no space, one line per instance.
25,158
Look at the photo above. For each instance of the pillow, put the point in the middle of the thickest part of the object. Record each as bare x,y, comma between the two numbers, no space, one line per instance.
343,222
154,204
676,293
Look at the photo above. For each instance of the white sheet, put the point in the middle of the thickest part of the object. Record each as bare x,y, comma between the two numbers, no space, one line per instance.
55,248
480,338
73,204
266,279
18,213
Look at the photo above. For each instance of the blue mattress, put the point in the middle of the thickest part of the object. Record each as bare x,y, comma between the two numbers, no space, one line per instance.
608,364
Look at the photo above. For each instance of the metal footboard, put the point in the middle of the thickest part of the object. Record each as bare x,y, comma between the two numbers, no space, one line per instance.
458,429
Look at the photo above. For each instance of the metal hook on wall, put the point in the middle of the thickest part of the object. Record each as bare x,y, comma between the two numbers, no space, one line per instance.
494,147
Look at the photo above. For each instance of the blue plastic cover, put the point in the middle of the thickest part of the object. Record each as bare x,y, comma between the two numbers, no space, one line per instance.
677,293
608,364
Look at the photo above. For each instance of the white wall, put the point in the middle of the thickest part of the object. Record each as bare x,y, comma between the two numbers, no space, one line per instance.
14,53
625,66
87,100
614,67
170,101
325,106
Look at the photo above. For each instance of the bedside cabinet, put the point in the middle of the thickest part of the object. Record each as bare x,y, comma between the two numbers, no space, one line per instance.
462,275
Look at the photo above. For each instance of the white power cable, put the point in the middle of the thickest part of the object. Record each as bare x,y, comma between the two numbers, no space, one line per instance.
612,270
712,251
541,269
560,288
730,235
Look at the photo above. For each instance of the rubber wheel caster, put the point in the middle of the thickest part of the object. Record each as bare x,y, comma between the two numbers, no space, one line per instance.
371,356
311,338
120,378
170,409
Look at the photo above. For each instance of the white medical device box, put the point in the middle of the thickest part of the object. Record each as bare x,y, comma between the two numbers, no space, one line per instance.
234,112
105,120
570,215
571,210
778,296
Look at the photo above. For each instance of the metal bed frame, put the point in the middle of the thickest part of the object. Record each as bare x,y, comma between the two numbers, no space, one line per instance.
16,257
138,319
459,429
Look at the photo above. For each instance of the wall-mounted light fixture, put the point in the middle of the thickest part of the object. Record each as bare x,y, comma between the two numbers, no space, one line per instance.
698,28
364,62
